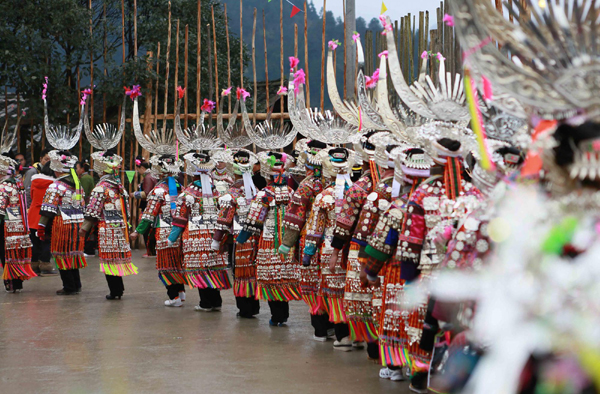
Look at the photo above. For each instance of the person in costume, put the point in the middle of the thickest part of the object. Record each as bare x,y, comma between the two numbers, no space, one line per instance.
158,217
354,224
431,212
194,221
277,276
318,250
221,177
39,185
15,244
294,222
145,187
233,211
63,209
108,208
412,168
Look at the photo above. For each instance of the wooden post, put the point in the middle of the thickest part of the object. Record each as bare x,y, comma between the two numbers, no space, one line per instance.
156,90
228,58
254,65
122,143
306,56
345,45
135,42
185,77
17,125
167,70
323,58
215,53
210,66
91,81
266,62
198,58
176,95
79,107
241,46
281,51
104,62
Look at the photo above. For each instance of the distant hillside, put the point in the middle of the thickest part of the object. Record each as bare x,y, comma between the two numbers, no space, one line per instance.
334,30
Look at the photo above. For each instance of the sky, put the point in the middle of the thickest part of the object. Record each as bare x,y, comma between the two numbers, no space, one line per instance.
369,9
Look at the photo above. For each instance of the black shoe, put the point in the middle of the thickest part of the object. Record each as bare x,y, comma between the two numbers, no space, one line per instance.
244,316
113,297
64,292
78,290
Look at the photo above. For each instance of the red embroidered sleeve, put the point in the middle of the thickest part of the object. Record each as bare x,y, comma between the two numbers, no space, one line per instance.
258,212
350,207
182,210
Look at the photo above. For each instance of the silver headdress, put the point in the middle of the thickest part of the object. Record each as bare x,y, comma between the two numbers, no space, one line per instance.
273,134
236,134
162,143
369,107
63,138
197,163
7,139
295,165
198,137
555,60
271,167
105,137
444,103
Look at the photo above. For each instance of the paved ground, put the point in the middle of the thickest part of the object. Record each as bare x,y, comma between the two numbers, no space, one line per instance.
86,344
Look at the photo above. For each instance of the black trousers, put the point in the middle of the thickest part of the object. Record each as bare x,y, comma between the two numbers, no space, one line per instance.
41,249
248,306
91,242
11,284
280,311
115,285
174,289
342,330
321,324
373,350
71,280
210,298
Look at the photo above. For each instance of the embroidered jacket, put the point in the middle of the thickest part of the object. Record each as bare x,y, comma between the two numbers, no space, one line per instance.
350,208
222,182
108,201
195,210
299,208
12,205
159,212
233,206
261,216
62,198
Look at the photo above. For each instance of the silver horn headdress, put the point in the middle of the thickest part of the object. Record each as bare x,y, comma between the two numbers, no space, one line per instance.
104,137
236,135
273,134
63,138
7,139
198,137
161,143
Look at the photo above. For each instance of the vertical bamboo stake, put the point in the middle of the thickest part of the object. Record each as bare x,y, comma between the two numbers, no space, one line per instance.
17,125
241,47
215,53
306,56
323,58
344,13
135,42
266,62
79,107
91,80
185,77
104,62
254,64
176,95
167,72
210,66
156,90
122,143
198,58
281,55
228,57
510,5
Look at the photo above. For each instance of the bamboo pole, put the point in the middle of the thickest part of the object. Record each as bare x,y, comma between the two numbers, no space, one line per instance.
215,53
156,90
176,95
266,61
122,143
306,56
281,52
185,75
254,63
104,62
135,41
323,58
345,44
259,116
228,57
210,66
91,79
198,58
241,46
79,108
167,69
17,125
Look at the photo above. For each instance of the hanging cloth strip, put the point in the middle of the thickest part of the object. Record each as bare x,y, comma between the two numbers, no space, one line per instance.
172,191
249,187
206,184
341,180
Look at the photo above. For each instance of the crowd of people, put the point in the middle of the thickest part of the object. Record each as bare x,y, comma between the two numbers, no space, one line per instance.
462,261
